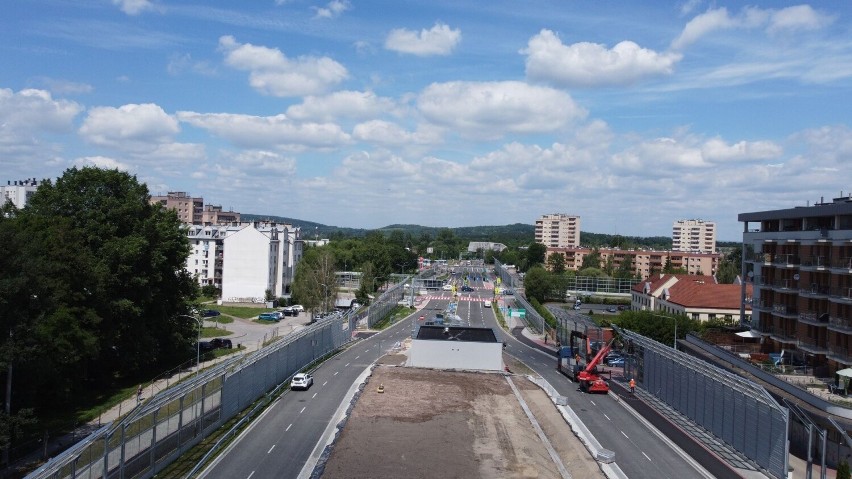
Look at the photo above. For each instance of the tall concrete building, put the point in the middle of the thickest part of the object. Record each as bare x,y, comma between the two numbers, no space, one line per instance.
801,261
558,230
694,235
189,209
18,192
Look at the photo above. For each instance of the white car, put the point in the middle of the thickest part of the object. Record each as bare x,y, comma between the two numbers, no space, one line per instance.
447,287
298,307
487,304
301,381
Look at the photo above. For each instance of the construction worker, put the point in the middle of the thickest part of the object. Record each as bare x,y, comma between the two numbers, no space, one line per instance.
632,385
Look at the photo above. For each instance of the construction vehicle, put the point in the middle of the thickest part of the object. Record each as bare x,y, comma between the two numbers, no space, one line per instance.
589,378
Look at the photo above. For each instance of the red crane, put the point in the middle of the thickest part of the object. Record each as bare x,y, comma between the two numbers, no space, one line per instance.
589,378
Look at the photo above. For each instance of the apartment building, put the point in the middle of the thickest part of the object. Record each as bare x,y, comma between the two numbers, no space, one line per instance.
244,260
802,276
18,192
214,215
697,296
694,235
558,230
645,262
188,209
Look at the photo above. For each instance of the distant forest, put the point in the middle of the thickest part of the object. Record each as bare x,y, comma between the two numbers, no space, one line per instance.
513,235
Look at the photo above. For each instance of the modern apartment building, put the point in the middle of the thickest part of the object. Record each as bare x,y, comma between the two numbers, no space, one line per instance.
801,261
244,260
645,262
18,192
694,235
189,209
558,230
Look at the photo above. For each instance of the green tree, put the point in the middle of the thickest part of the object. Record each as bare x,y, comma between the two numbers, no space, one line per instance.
625,269
556,263
367,287
592,260
315,281
104,305
609,266
537,284
535,254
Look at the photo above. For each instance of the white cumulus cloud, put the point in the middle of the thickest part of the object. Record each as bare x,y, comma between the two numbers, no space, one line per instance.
341,104
438,40
272,73
333,10
262,132
101,162
133,7
592,64
29,111
129,126
491,109
387,133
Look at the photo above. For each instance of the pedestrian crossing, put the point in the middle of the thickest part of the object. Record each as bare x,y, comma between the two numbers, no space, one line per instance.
474,299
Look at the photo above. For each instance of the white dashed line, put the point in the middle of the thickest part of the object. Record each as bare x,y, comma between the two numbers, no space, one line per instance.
315,395
249,476
646,456
346,366
325,383
607,417
356,357
335,373
270,449
303,410
288,427
593,403
625,435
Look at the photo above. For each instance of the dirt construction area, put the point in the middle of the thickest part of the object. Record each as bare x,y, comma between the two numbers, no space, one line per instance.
447,424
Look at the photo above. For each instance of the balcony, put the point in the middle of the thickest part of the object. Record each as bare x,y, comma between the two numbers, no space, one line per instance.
764,258
785,310
788,260
761,305
812,345
840,325
839,354
784,336
813,318
785,285
815,291
815,263
764,327
842,265
840,293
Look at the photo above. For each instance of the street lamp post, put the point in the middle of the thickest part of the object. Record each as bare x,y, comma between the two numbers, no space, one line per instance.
197,343
325,298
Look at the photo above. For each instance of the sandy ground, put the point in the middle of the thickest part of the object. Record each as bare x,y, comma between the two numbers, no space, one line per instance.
447,424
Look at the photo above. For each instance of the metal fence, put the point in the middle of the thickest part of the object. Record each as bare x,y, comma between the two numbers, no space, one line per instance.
508,278
382,306
164,427
591,284
739,412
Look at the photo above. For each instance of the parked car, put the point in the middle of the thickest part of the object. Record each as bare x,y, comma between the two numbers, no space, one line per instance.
221,343
301,381
622,308
617,361
274,316
576,307
289,311
447,287
209,313
611,309
298,308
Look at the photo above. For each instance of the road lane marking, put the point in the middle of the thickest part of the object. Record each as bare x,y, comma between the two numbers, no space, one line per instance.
346,366
625,435
303,410
249,476
325,383
646,456
315,395
288,427
593,403
607,417
270,449
356,357
335,373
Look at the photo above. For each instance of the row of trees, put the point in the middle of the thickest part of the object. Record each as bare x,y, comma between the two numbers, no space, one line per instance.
92,293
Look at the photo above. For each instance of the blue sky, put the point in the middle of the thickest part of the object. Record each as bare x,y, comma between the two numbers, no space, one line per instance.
442,113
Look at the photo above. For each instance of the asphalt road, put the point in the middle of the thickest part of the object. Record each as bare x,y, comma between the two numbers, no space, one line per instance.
280,443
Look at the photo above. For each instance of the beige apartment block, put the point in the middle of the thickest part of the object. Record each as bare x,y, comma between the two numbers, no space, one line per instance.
802,276
558,230
694,235
213,215
189,209
645,262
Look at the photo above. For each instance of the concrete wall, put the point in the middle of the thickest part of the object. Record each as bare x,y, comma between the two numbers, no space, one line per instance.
456,355
245,272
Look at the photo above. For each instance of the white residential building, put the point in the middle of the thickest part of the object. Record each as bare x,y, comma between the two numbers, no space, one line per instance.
245,260
18,192
558,230
696,236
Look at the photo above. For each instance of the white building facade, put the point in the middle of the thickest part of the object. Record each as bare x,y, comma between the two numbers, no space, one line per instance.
697,236
245,260
18,192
